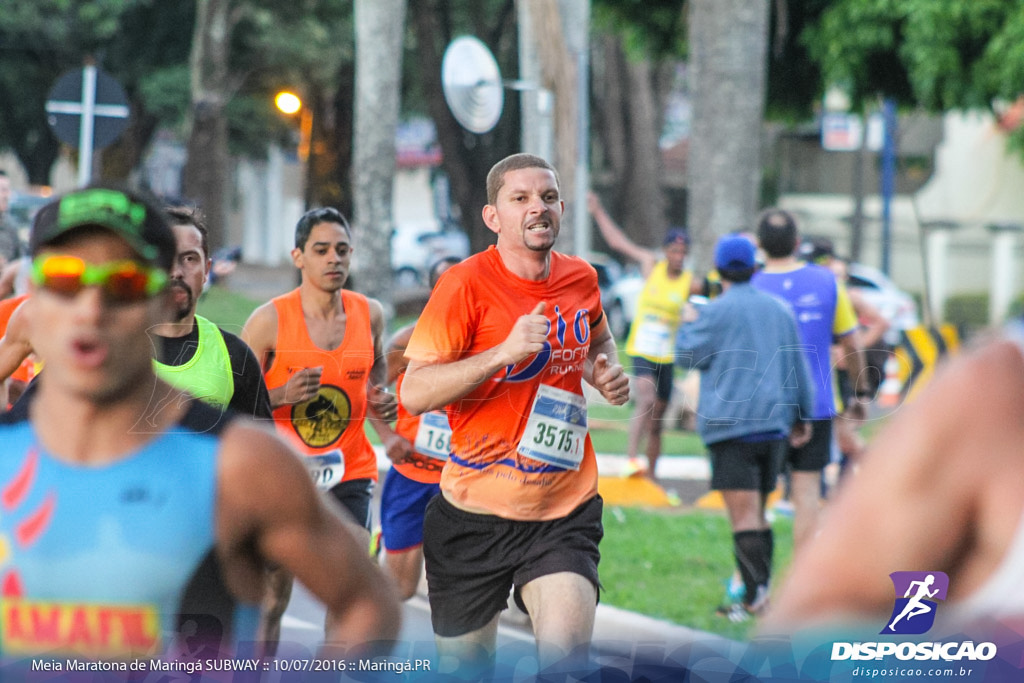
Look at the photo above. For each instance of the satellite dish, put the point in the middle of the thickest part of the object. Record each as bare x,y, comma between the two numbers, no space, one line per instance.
472,84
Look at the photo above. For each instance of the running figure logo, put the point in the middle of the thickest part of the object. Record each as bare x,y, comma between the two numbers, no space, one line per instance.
320,420
914,613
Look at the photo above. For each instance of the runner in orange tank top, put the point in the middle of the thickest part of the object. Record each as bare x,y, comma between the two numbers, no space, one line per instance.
15,366
418,448
504,343
322,352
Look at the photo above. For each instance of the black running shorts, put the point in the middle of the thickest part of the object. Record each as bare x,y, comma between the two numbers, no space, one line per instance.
473,560
746,466
355,495
816,453
661,374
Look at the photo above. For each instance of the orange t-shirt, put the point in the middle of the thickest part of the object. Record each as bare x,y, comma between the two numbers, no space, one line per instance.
520,449
27,370
431,439
333,419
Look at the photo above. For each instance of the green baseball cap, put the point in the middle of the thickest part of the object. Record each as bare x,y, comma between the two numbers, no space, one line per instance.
131,215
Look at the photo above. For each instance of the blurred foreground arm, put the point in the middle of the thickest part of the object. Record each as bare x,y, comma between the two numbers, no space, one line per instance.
938,490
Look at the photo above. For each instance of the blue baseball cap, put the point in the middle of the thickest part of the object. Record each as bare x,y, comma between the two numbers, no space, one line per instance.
734,253
676,236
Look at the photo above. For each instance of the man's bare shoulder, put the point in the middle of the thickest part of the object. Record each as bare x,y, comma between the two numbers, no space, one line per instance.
264,312
376,309
261,327
400,339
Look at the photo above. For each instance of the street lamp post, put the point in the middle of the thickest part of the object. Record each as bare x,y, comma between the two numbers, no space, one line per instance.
289,103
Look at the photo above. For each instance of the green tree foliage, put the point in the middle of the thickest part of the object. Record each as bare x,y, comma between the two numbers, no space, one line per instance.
649,28
145,45
39,41
937,54
134,40
656,29
941,54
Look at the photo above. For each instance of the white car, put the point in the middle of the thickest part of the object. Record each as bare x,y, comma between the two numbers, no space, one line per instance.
415,247
895,305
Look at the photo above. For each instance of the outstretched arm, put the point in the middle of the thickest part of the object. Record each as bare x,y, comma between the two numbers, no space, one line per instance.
617,239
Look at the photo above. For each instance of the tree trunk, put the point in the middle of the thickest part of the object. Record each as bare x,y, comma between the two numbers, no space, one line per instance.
728,42
125,155
466,157
379,29
329,178
207,167
629,96
558,75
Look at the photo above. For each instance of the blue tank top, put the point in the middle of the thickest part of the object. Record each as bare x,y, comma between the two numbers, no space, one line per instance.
114,561
811,294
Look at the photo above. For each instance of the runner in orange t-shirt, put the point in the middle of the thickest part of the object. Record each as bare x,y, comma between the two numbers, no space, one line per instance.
504,342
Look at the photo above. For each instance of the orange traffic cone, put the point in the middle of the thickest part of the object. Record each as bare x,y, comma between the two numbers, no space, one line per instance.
889,392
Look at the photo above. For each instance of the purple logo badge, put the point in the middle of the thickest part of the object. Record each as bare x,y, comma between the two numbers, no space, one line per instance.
917,594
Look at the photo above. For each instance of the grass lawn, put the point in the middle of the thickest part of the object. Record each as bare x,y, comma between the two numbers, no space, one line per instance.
227,308
608,425
673,565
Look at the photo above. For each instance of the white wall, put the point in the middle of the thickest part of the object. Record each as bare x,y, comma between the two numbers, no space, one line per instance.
976,183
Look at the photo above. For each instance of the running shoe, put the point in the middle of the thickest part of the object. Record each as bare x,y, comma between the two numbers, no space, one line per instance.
635,467
736,613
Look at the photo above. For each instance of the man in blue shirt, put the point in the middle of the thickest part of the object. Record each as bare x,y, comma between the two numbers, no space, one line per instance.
824,315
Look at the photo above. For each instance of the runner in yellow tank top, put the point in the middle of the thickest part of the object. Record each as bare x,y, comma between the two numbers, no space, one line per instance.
668,286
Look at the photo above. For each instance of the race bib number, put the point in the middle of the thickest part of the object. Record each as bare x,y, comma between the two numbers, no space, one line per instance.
327,469
653,338
556,429
434,437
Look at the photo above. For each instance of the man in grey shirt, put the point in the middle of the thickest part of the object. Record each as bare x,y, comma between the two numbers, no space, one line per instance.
755,393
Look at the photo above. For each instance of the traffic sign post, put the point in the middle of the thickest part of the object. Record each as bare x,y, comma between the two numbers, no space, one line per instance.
88,109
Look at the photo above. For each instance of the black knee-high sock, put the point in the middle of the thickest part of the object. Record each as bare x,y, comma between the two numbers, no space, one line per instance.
754,550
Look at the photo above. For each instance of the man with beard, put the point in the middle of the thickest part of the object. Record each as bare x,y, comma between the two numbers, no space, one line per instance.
191,352
194,354
504,345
